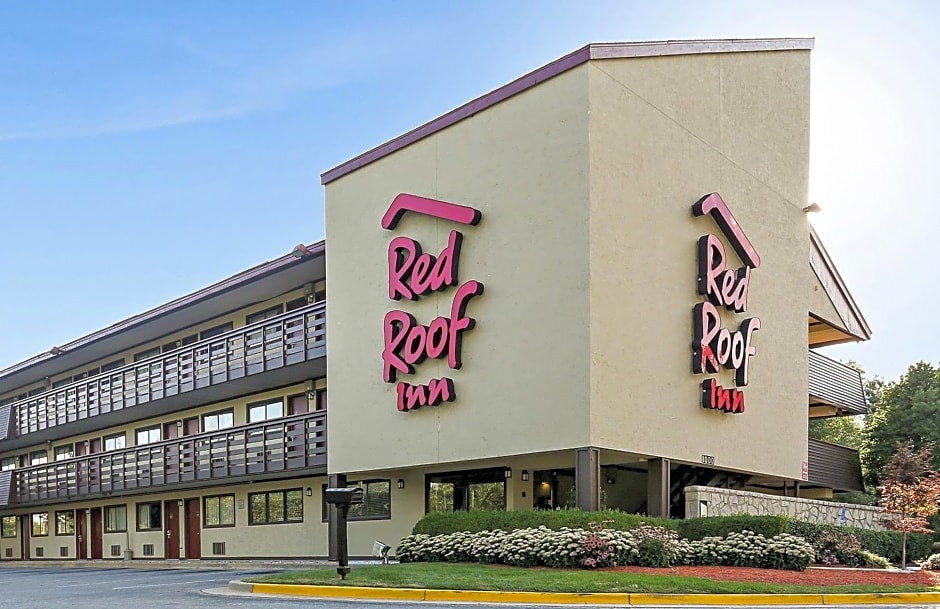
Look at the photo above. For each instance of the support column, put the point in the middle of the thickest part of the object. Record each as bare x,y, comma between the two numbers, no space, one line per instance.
657,488
333,528
587,478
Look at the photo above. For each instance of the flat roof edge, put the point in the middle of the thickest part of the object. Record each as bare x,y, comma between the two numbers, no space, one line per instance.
613,50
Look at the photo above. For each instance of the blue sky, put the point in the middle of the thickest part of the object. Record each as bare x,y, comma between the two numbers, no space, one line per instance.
150,149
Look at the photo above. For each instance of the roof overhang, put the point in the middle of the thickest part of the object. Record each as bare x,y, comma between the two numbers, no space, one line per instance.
851,324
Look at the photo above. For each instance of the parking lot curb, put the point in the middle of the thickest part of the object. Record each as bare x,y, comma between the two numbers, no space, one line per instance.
588,598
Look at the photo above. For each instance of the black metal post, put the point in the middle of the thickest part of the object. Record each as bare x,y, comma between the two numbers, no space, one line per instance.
342,547
334,481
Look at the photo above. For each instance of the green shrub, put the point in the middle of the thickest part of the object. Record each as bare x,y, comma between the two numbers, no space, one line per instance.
935,547
881,543
873,560
721,526
440,523
855,498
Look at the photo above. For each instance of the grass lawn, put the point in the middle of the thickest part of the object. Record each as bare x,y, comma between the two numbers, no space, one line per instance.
445,576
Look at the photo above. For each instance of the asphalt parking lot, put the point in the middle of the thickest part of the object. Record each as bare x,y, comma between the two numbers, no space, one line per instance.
127,588
88,588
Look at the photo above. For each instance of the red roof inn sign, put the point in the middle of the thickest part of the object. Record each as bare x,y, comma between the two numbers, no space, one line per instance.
411,275
714,346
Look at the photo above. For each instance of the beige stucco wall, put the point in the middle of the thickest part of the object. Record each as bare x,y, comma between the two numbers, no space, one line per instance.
13,545
664,132
524,382
589,294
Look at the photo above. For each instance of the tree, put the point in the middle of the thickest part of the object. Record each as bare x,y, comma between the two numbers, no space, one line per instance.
910,491
874,390
906,411
844,431
872,387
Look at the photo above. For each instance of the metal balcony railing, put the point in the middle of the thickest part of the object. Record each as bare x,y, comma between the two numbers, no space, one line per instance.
834,383
280,341
834,466
290,443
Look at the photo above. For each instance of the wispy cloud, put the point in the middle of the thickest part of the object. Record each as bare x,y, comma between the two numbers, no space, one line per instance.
199,81
130,125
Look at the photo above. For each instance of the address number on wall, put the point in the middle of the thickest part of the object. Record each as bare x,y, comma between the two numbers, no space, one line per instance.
708,459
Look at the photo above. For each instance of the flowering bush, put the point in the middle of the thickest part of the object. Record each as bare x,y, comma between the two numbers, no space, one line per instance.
656,546
748,549
839,547
646,546
932,563
596,547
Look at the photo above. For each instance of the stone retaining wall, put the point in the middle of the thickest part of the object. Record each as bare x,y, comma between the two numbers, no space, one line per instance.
710,501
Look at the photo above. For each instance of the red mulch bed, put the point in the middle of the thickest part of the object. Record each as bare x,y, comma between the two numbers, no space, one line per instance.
814,576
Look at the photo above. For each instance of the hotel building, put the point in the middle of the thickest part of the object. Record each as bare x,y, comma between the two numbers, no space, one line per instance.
594,286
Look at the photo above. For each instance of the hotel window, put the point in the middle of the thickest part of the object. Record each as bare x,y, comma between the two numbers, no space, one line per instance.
466,491
62,382
41,524
148,435
218,420
115,519
115,442
376,501
114,365
38,457
262,315
65,523
176,344
64,452
36,391
297,303
264,411
148,516
298,404
147,353
276,507
215,331
219,511
7,464
8,527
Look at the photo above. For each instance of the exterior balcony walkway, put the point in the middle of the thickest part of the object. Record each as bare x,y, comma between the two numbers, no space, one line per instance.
834,388
286,349
833,466
273,449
